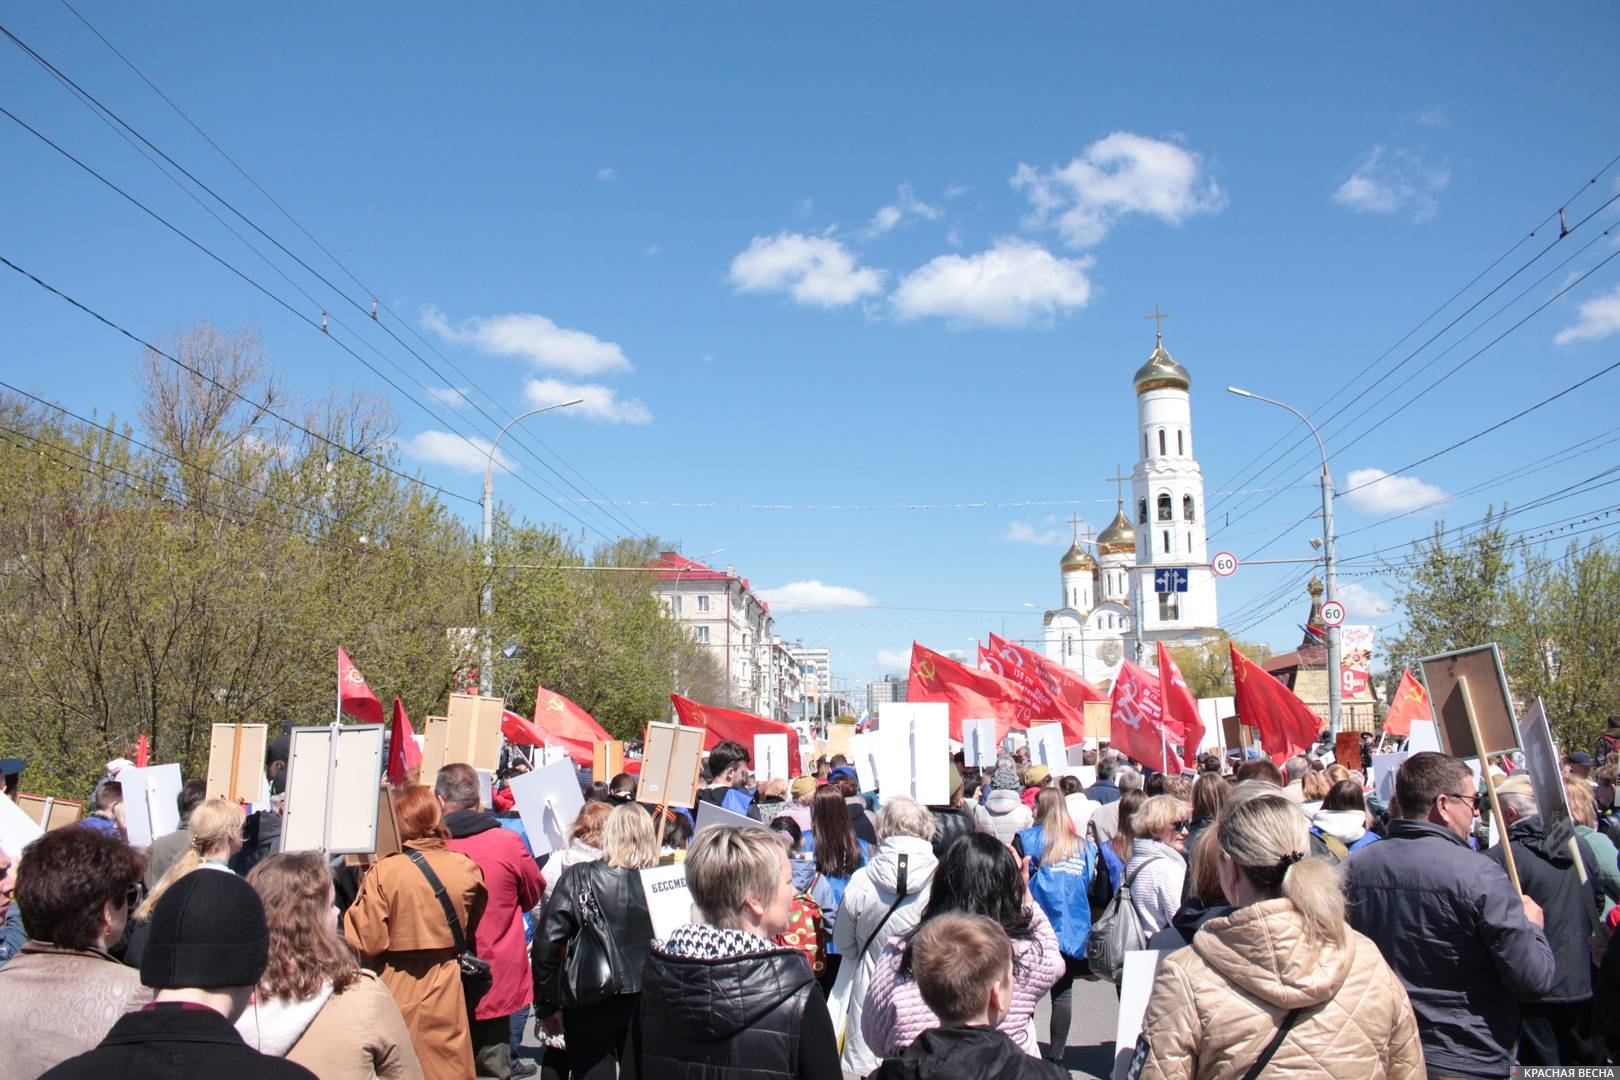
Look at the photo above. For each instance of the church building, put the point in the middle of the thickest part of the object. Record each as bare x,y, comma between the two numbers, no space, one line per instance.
1147,579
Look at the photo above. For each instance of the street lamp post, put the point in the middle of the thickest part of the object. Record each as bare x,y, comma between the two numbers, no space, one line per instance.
487,602
1335,684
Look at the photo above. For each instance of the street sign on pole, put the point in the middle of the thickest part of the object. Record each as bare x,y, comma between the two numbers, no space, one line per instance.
1170,579
1224,564
1333,613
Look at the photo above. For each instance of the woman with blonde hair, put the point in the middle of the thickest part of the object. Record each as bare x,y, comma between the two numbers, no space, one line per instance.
1282,985
401,929
1313,788
1158,866
216,835
316,1006
1061,866
598,906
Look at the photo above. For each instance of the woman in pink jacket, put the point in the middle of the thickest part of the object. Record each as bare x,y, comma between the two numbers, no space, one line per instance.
976,876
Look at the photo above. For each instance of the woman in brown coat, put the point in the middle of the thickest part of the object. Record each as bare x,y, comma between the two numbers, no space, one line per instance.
399,927
1283,969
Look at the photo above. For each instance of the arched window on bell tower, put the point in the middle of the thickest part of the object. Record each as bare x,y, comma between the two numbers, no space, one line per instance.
1187,508
1162,450
1181,442
1164,508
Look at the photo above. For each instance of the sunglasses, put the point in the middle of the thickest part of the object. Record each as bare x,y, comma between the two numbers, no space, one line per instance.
1472,797
132,897
1183,826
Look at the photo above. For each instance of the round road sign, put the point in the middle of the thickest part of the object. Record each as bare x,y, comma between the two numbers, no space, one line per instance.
1224,564
1333,613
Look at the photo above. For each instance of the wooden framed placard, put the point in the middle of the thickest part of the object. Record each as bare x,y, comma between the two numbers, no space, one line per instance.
332,789
607,760
50,813
670,765
1471,681
387,833
236,761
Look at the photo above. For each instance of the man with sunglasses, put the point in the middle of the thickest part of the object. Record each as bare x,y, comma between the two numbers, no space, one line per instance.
76,888
1465,945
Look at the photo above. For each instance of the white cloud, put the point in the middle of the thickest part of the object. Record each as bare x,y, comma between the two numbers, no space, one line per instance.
607,172
1387,494
953,191
906,204
1433,116
1598,318
806,207
1119,174
453,451
1361,602
817,271
1024,532
804,595
1387,181
653,249
453,396
601,403
891,659
1015,283
953,236
533,337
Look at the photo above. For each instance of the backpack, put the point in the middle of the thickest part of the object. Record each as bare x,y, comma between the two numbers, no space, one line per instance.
1117,932
807,932
1101,890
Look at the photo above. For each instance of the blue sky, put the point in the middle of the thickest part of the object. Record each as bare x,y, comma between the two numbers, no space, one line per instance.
863,265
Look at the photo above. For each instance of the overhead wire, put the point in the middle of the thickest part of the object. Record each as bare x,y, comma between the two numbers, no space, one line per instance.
103,110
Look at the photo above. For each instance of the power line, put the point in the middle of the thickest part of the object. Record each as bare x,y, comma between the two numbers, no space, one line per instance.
238,395
95,104
307,320
1556,214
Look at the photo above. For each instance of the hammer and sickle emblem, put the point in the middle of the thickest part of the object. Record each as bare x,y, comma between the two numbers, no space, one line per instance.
925,669
553,704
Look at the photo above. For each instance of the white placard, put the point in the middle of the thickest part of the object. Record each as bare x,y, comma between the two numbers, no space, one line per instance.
771,757
1423,737
551,755
916,753
979,743
17,829
486,789
1087,775
151,807
332,789
1542,763
669,901
548,800
864,752
1080,811
711,814
1135,987
1384,767
1046,748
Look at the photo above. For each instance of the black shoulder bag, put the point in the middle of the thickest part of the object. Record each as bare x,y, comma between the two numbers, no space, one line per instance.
899,898
475,974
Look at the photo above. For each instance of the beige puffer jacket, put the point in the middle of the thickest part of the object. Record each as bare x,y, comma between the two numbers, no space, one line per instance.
1216,1005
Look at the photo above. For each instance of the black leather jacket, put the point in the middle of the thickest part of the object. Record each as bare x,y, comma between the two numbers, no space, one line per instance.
949,823
624,906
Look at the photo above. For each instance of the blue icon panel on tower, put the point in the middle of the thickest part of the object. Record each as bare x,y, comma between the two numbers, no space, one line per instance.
1171,579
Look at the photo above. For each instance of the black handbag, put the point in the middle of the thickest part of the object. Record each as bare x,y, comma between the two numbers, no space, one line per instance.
476,978
591,963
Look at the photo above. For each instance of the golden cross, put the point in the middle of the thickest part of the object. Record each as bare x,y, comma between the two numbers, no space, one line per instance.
1157,319
1076,523
1118,480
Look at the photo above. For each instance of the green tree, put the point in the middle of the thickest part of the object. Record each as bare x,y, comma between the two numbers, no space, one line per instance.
1207,668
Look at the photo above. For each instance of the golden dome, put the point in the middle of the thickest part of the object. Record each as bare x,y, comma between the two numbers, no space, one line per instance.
1161,372
1119,538
1077,559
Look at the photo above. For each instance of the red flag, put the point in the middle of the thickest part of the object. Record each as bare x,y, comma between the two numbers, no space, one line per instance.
1287,726
403,753
1034,672
354,696
721,724
1136,716
1180,707
558,721
1411,703
142,752
971,695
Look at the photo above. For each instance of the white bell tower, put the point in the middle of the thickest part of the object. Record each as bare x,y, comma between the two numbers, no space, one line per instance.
1167,487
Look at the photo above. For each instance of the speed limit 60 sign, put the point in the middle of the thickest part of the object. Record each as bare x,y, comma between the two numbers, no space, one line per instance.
1333,613
1224,564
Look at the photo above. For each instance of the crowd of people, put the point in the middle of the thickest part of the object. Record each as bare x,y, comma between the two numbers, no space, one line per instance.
1304,927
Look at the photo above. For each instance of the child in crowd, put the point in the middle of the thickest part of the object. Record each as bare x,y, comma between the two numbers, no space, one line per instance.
964,971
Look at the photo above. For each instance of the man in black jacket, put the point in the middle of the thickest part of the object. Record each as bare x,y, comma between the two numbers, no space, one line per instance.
1556,1029
1467,948
208,947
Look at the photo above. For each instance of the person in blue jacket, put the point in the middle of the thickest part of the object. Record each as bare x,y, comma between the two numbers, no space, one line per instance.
1061,866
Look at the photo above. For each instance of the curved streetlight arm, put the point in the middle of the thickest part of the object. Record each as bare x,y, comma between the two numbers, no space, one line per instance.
1329,563
486,669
